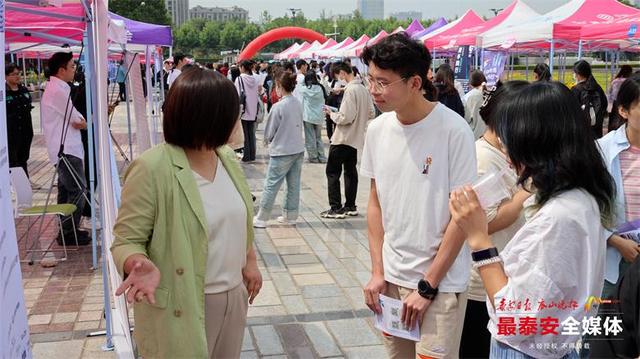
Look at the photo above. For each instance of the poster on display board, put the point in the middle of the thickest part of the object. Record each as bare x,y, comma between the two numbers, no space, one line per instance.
461,68
14,330
493,63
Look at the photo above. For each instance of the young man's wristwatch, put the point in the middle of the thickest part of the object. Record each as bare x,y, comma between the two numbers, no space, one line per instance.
426,291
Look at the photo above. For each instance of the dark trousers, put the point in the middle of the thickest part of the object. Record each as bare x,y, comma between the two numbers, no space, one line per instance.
84,134
71,187
249,130
476,338
347,157
330,127
19,145
123,91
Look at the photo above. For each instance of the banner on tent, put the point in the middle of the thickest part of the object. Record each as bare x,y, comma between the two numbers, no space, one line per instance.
493,63
462,64
134,86
14,330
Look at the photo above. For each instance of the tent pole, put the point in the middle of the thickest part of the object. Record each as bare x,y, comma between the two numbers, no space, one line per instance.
24,70
606,69
150,89
526,61
551,54
92,181
579,50
127,93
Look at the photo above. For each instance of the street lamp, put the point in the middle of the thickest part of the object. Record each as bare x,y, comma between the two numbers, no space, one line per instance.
294,11
495,11
335,29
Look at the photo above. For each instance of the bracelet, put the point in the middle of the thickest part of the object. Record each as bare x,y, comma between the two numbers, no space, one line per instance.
485,262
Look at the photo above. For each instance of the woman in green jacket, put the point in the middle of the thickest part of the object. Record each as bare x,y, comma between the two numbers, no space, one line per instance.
183,237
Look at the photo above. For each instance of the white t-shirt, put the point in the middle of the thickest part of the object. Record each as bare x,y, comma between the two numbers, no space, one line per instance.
415,168
491,160
558,255
226,217
173,75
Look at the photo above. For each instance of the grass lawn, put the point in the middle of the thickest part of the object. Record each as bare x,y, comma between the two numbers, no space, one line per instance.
599,74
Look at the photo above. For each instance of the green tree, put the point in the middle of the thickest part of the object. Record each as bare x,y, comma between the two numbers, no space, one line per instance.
149,11
231,36
210,36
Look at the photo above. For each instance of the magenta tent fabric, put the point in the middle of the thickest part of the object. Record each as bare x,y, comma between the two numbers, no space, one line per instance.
447,35
330,52
303,47
145,34
20,26
433,27
623,28
591,13
350,51
414,27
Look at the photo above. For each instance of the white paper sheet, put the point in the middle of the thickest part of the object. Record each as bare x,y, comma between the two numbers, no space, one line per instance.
389,321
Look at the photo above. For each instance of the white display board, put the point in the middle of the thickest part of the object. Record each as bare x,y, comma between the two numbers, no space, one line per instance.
14,330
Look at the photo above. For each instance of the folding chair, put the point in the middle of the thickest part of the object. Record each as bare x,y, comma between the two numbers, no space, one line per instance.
24,208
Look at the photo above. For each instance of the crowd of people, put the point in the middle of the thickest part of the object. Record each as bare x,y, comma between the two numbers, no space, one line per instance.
184,233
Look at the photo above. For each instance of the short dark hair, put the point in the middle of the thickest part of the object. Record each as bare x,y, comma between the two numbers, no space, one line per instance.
493,97
477,78
288,65
201,110
336,67
246,65
553,153
177,57
287,81
404,56
9,68
625,71
628,94
311,78
58,61
300,63
445,79
543,72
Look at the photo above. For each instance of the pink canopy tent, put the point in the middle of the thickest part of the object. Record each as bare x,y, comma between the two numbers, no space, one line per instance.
33,24
311,52
290,49
414,27
295,54
350,51
374,40
447,35
623,28
329,52
398,29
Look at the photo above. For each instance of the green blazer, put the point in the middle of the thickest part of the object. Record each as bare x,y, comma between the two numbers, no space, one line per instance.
162,217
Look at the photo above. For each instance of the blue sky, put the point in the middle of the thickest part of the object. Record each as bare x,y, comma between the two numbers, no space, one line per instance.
429,8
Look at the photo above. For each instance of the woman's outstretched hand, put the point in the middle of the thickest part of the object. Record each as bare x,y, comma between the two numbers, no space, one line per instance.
142,280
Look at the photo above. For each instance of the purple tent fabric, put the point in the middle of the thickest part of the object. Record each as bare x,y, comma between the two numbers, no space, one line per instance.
414,27
145,34
435,26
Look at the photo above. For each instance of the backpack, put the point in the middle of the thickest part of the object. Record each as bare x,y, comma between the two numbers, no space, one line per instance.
243,96
591,104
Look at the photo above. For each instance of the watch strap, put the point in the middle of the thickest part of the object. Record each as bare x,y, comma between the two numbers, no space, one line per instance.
484,254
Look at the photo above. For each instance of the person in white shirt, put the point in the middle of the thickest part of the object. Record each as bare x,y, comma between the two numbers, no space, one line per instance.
558,256
472,101
301,67
61,123
415,153
179,60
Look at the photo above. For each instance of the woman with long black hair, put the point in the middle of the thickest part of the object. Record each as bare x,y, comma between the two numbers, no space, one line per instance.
541,72
559,253
592,99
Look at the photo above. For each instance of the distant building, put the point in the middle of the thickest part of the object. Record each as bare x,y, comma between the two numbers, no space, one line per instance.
407,15
178,10
371,9
344,16
219,13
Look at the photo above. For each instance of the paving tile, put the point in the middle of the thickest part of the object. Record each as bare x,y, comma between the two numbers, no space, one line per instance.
313,279
366,352
300,259
339,250
62,317
353,332
266,311
92,307
39,319
329,260
294,304
92,325
249,355
329,304
267,296
306,268
284,283
90,316
267,340
292,335
321,339
305,352
247,341
71,349
356,296
353,265
343,278
294,250
282,232
288,242
321,291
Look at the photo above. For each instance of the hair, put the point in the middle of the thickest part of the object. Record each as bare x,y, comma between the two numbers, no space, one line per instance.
311,78
58,61
625,72
628,96
246,65
404,56
235,73
583,69
201,110
477,78
543,72
287,81
300,63
287,65
178,57
336,67
493,97
444,80
9,68
548,141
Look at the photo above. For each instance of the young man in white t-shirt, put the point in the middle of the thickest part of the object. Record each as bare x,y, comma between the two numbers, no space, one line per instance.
415,153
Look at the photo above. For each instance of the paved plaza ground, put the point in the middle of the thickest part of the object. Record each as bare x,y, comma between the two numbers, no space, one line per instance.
310,306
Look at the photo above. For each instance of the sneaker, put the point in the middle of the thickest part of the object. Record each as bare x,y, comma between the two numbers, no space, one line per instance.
258,223
284,220
350,211
333,213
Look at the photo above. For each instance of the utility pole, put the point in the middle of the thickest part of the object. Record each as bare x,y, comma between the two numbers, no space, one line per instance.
294,11
335,32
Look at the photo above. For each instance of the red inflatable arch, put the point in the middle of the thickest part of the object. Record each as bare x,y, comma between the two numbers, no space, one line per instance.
288,32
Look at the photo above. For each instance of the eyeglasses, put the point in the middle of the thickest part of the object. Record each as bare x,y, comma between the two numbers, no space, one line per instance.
380,86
